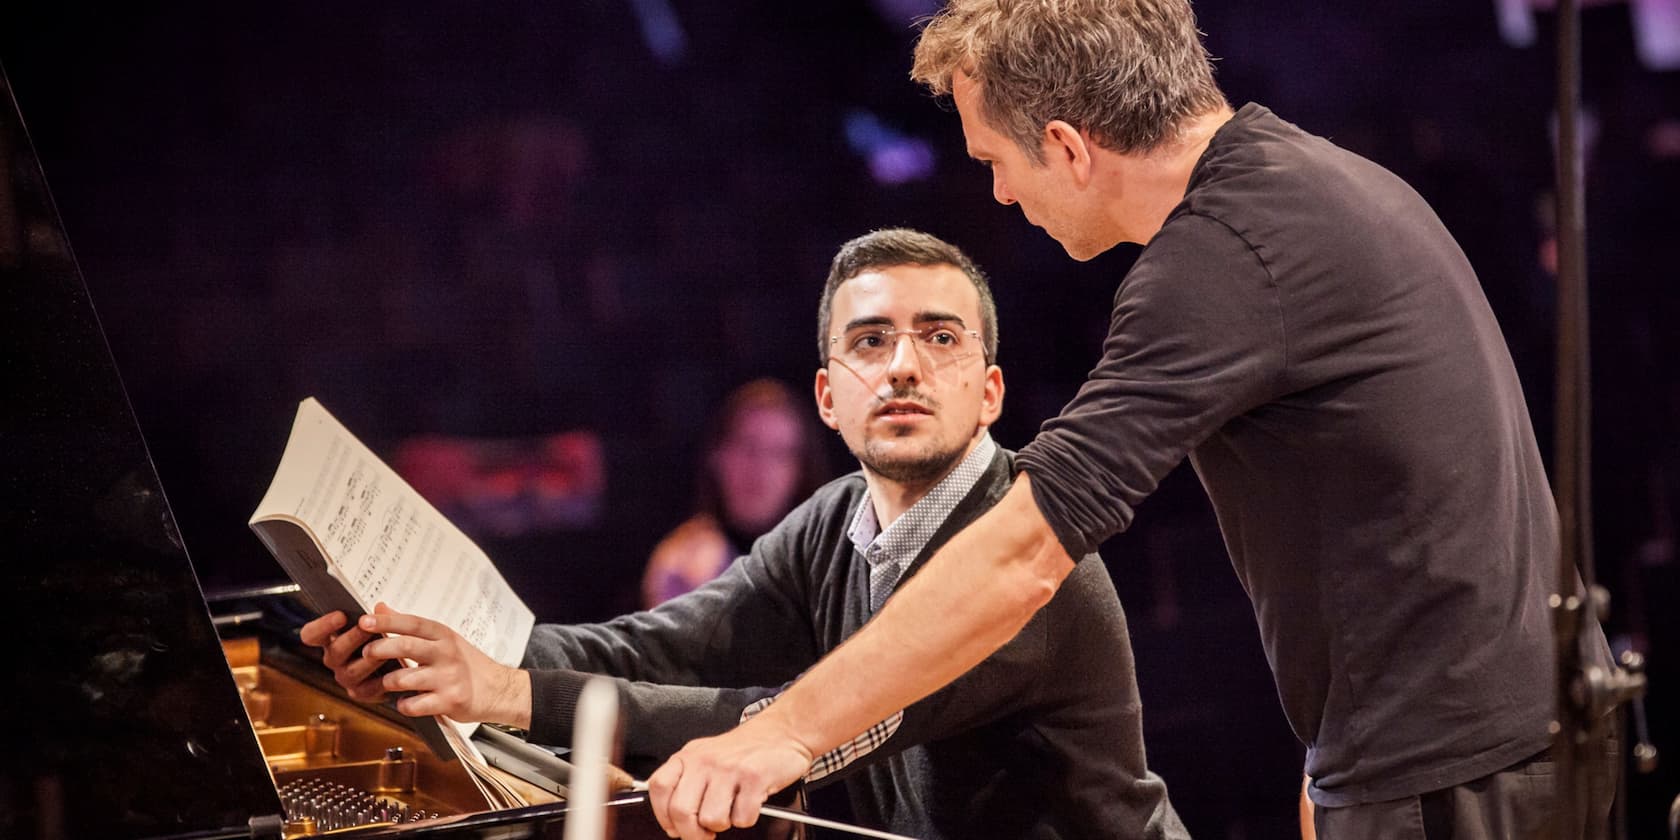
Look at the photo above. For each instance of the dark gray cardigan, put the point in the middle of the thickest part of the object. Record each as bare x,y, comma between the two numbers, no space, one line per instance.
1042,739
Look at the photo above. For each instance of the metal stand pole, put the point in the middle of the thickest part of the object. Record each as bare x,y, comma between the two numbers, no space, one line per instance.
1585,695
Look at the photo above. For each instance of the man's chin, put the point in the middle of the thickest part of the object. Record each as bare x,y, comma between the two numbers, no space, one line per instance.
1081,251
1084,250
908,467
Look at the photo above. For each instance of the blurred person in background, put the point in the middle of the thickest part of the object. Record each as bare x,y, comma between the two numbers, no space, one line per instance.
762,455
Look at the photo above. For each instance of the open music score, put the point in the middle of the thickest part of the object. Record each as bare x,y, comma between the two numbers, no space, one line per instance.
351,533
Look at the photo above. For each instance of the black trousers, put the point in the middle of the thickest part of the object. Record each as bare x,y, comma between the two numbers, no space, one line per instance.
1517,803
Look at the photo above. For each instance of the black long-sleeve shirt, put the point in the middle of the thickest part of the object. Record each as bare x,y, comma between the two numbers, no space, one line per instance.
1309,334
1042,739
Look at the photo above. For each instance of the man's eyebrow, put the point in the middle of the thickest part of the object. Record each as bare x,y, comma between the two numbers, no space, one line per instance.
868,321
923,317
926,316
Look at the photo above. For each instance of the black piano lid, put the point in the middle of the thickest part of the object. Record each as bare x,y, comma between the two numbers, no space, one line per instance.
120,716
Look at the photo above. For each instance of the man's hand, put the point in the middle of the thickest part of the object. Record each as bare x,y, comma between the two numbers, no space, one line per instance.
339,652
715,783
449,675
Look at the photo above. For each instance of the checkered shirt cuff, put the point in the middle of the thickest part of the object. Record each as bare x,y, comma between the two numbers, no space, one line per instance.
837,758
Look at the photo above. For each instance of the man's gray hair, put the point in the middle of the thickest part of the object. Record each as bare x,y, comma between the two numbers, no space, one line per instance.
1129,72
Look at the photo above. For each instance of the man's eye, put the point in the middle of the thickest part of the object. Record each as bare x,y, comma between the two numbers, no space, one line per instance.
944,338
867,341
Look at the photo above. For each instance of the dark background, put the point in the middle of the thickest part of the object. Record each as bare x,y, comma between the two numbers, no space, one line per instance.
515,219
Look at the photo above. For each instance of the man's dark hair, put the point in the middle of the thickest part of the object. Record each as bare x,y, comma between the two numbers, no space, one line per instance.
902,246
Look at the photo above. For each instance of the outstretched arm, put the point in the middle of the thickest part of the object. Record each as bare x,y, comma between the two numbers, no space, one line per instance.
974,595
454,678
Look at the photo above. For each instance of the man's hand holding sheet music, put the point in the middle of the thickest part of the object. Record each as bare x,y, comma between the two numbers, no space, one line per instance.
341,651
443,673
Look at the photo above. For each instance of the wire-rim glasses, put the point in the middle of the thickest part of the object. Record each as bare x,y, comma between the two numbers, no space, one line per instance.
869,349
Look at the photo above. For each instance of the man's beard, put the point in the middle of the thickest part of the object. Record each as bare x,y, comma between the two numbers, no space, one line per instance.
922,467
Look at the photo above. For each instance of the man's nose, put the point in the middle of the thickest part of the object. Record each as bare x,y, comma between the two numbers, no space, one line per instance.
905,366
1000,190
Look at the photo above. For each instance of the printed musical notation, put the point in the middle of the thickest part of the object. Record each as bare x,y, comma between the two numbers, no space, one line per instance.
483,617
385,542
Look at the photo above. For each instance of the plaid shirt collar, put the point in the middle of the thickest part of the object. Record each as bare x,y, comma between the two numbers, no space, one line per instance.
909,533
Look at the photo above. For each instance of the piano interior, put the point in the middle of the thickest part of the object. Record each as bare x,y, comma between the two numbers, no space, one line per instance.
338,763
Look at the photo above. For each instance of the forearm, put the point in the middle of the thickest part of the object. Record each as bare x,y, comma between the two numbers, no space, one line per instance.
971,598
733,631
665,646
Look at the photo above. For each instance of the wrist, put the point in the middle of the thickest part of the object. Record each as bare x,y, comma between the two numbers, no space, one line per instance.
776,723
514,700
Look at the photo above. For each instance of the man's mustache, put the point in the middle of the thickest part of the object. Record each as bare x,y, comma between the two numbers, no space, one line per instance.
907,394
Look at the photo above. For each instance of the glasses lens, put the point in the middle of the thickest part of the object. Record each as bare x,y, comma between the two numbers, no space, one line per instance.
872,348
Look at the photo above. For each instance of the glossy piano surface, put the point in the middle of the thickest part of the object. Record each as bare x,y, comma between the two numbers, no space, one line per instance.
122,721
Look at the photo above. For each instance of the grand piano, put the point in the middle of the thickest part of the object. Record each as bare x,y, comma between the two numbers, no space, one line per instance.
136,707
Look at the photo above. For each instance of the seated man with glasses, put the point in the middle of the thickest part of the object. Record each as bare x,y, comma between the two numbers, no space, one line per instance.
1042,739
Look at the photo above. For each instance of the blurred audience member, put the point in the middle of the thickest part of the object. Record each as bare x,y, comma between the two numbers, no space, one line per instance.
761,456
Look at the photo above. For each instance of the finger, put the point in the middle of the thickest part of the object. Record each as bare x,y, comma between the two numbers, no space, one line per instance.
684,809
409,679
674,803
748,802
318,633
420,704
660,785
367,691
401,647
716,807
402,624
342,648
358,670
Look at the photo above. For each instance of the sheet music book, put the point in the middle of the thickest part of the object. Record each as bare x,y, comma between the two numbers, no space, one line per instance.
351,533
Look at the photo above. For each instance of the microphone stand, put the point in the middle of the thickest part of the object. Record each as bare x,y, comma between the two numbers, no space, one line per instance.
1586,695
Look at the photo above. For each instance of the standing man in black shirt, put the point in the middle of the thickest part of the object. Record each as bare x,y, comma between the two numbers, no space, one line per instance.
1303,328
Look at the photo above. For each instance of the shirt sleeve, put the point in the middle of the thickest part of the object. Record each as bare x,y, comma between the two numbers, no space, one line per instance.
1196,338
658,719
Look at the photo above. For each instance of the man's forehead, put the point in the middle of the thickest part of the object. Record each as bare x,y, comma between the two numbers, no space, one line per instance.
907,292
965,93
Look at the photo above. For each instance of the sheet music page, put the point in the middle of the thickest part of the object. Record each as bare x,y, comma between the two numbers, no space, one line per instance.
386,542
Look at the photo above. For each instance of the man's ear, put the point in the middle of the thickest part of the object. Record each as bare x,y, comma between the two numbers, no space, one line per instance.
1063,143
991,395
825,400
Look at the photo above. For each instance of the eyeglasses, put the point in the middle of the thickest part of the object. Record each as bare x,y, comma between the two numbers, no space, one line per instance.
868,350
